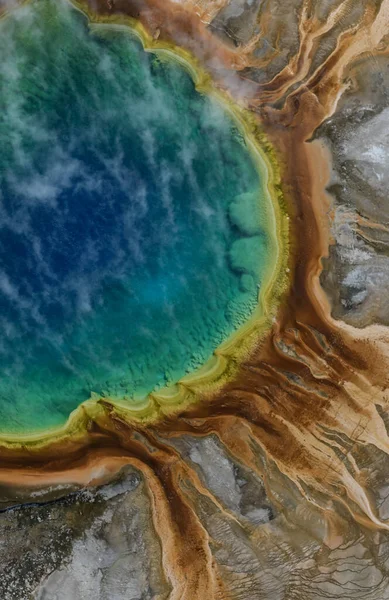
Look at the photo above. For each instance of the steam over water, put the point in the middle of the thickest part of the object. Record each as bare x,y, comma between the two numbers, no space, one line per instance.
131,242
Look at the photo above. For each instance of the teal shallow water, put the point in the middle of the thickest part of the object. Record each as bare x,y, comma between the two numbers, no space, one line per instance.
131,235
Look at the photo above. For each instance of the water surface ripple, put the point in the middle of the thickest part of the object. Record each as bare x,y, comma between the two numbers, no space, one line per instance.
131,235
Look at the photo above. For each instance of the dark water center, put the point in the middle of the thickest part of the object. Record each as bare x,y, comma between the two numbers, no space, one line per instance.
130,218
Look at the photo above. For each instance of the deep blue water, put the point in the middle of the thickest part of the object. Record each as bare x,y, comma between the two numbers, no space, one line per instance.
130,222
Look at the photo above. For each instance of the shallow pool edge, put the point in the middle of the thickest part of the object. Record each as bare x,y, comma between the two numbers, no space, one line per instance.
223,365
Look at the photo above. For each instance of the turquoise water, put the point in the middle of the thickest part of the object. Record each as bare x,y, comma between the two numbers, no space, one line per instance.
131,242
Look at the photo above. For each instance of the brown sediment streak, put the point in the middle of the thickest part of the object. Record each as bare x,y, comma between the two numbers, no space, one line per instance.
187,560
307,399
366,37
175,23
205,10
310,30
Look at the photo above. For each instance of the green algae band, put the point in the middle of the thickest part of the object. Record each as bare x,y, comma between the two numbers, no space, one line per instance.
133,238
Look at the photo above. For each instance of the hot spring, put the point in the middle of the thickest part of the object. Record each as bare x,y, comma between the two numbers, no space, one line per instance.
133,238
